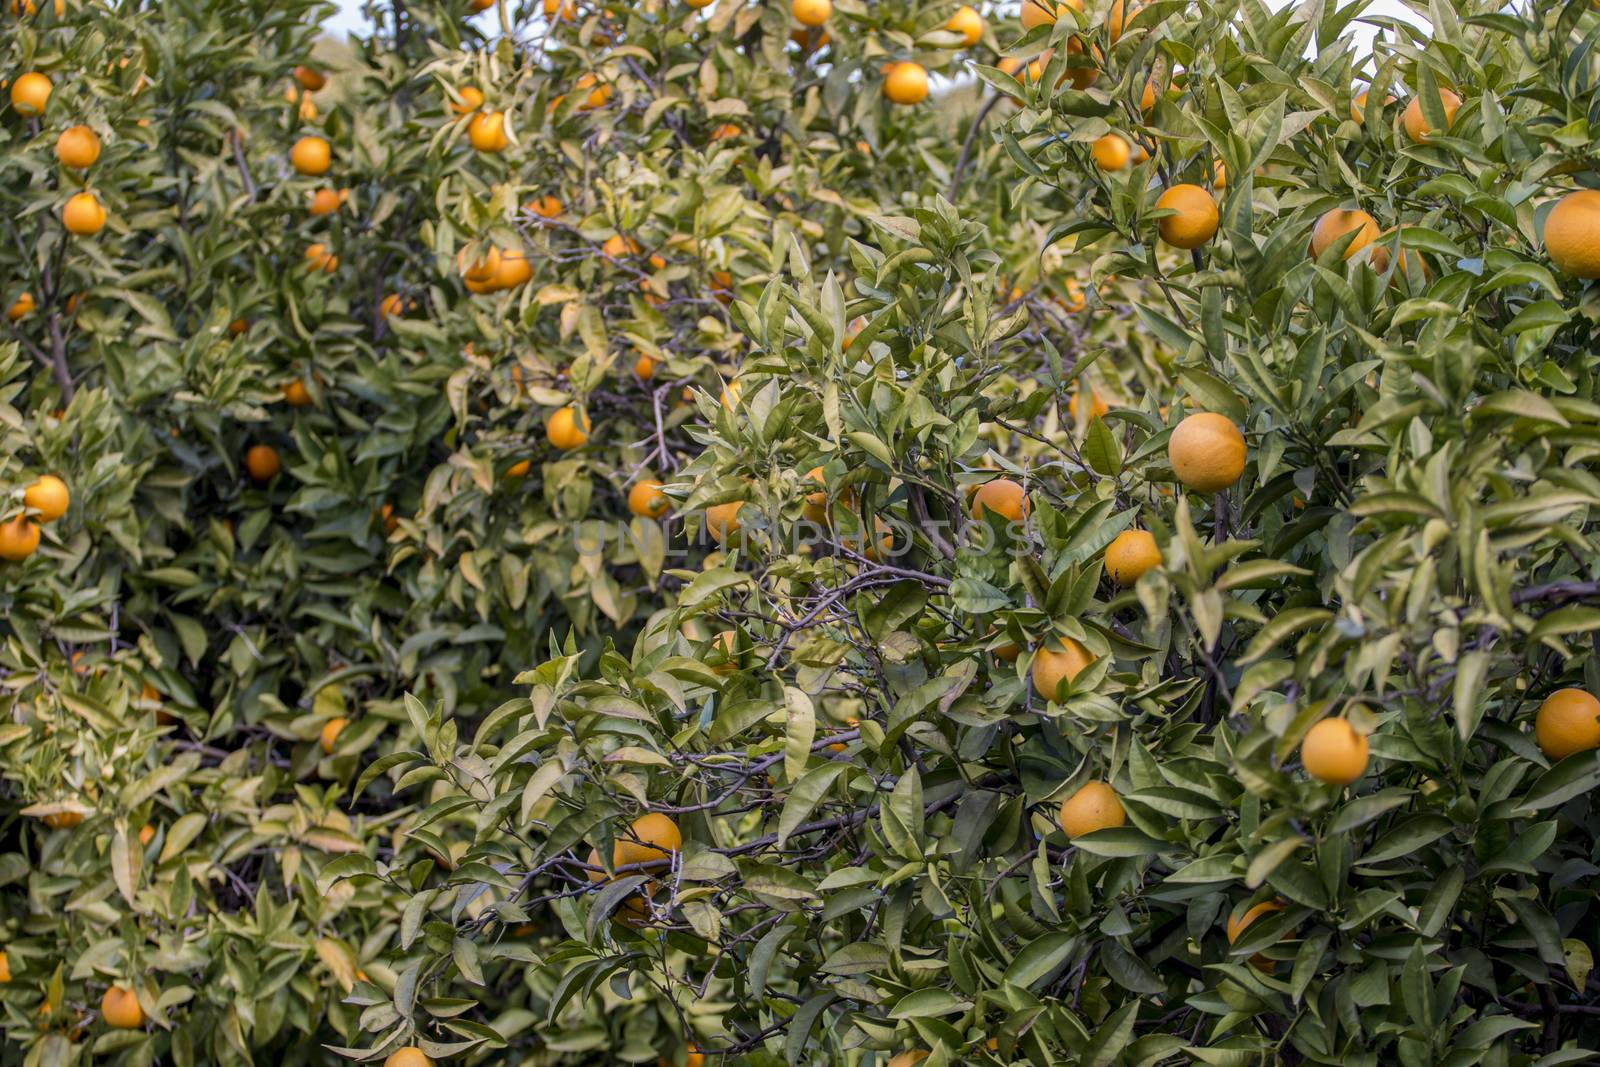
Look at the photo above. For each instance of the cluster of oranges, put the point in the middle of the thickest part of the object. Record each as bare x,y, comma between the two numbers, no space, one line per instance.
44,501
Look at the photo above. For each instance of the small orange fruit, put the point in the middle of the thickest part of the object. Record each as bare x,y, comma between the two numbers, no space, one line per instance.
262,462
1110,152
30,93
83,215
318,258
567,428
19,539
408,1055
325,202
644,367
1568,721
295,393
487,132
811,12
650,837
1334,224
120,1009
1207,452
1334,752
310,79
471,100
968,23
1196,220
1052,666
1002,496
646,499
546,207
1095,806
311,156
24,306
147,834
1572,234
1236,926
1416,124
78,147
519,469
907,83
1045,12
49,497
1358,107
1130,554
723,521
330,733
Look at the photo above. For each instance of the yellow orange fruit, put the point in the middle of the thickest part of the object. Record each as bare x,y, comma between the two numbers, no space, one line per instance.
1130,554
1117,19
546,207
599,92
1358,107
1568,721
811,12
646,499
311,156
1334,224
567,428
1334,752
19,539
1416,124
1207,452
326,202
1037,13
1110,152
471,100
1236,926
1196,218
83,215
78,147
22,308
310,79
1572,234
726,645
650,837
487,132
5,967
1002,496
644,368
295,393
120,1010
262,463
907,83
723,521
407,1056
514,270
968,23
147,834
1058,660
560,10
48,496
318,258
1099,406
616,246
30,93
330,733
64,820
1095,806
519,469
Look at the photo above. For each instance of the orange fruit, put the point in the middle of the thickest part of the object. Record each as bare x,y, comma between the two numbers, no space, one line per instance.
647,500
120,1009
325,202
5,967
1358,107
63,820
557,11
1002,496
1095,806
723,521
1045,12
514,270
1148,96
49,497
726,646
519,469
1099,406
295,392
1207,452
237,327
1334,752
968,23
907,83
319,258
1236,926
599,92
567,428
644,367
1416,124
19,538
471,100
390,521
310,79
83,215
1052,666
1130,554
811,12
1572,234
407,1056
392,306
262,462
1110,152
1568,721
1119,16
147,834
649,837
24,306
30,93
487,132
78,146
616,246
330,733
1336,223
546,207
311,156
815,509
1219,175
1196,220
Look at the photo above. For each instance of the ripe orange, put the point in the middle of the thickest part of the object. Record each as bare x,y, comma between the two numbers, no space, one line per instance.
559,11
567,428
78,146
1572,234
326,201
725,646
83,215
1207,452
1196,220
722,286
1336,223
1002,496
471,100
968,23
487,132
514,270
1148,96
1119,16
64,820
815,508
5,967
311,156
295,392
649,837
23,307
262,462
599,92
319,258
907,83
1219,175
1130,554
1416,123
616,246
49,497
30,93
407,1056
1236,926
386,515
1052,666
19,538
147,834
1358,107
237,327
1333,752
310,79
644,367
1110,152
546,207
120,1009
1095,806
1568,721
723,521
519,469
811,12
330,733
392,306
647,500
1045,12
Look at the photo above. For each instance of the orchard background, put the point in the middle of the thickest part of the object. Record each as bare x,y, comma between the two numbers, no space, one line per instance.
856,533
